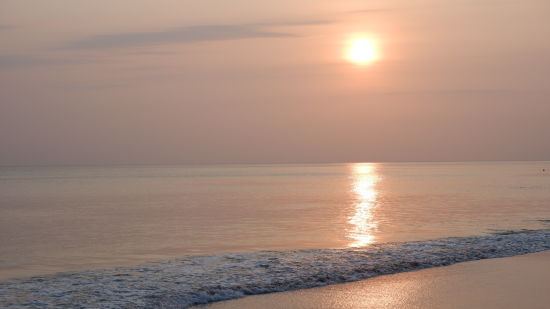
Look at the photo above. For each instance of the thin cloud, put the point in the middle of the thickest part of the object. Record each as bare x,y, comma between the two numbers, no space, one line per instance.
22,61
458,91
372,11
6,27
152,52
433,6
94,87
313,22
185,35
455,91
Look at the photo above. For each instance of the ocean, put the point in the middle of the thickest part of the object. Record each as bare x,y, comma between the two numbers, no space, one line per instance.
247,229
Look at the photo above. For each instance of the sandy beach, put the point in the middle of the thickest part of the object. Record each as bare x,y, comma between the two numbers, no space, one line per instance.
515,282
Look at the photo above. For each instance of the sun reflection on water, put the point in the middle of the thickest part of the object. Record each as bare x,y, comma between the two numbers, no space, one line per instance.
364,188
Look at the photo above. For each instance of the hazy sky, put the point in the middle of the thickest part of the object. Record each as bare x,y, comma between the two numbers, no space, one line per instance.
249,81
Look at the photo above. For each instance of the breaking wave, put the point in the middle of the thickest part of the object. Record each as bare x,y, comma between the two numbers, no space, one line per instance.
189,281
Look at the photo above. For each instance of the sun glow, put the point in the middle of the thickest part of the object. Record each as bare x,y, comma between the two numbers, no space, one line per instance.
362,51
364,190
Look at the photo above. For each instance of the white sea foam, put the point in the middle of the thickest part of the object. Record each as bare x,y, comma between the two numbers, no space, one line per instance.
188,281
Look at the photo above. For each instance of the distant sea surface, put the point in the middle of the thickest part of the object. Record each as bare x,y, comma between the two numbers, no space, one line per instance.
56,219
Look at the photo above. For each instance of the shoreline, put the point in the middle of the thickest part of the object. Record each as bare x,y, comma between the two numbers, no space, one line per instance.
501,283
184,282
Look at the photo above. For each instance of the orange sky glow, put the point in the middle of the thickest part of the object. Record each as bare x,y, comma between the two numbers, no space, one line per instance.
259,82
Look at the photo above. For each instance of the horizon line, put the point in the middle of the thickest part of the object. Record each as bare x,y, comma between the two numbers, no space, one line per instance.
257,163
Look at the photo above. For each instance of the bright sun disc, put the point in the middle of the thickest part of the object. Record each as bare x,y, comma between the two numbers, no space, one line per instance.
362,51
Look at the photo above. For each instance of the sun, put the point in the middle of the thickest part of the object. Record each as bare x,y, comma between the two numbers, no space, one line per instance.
362,51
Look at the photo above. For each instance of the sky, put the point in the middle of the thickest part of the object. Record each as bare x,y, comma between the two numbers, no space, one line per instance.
250,81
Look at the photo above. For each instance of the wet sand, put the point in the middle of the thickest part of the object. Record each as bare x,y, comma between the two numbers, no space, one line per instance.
515,282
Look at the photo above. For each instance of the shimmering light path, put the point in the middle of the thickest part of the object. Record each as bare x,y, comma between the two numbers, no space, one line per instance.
362,221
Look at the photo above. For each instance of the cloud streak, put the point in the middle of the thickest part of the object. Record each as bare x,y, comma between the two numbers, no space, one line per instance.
432,6
373,11
6,27
185,35
23,61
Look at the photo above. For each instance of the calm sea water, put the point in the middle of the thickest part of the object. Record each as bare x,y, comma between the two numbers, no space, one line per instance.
72,218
